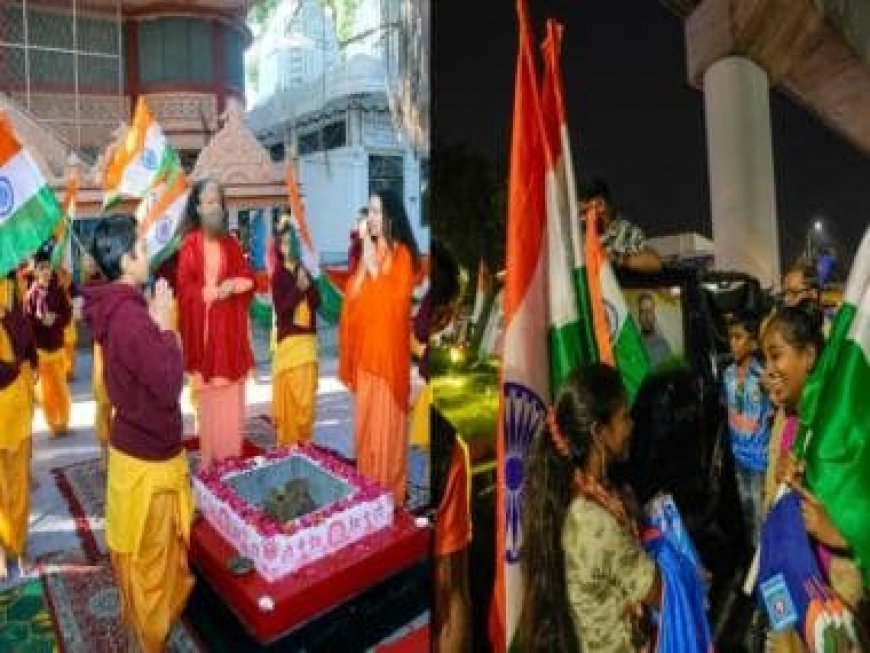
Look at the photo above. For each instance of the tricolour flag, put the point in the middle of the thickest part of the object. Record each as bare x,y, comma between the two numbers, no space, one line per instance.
551,291
140,157
61,255
159,214
29,212
617,336
331,294
834,436
525,382
571,338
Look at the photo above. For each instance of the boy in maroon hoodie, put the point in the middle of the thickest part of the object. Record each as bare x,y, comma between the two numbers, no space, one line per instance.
149,506
49,311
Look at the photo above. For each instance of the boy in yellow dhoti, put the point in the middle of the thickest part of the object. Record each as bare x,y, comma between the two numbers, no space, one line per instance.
17,359
103,411
294,365
65,280
49,311
149,505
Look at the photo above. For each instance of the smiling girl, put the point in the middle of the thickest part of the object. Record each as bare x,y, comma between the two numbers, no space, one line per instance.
792,344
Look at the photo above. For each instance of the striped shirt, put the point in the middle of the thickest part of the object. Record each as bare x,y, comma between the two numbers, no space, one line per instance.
623,237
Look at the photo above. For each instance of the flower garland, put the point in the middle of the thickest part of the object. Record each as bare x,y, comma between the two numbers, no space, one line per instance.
364,489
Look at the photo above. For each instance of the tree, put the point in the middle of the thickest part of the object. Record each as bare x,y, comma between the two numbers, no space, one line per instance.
261,10
467,204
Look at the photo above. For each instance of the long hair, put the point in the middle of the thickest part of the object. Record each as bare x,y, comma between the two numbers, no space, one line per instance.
192,219
590,396
397,225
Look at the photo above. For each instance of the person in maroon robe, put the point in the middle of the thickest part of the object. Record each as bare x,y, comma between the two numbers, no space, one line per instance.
215,286
49,311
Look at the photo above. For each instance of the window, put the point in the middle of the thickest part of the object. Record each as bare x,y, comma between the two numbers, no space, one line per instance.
170,50
276,152
387,173
309,143
334,135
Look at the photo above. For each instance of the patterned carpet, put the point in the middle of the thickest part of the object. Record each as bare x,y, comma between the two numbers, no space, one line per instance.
83,485
84,602
25,620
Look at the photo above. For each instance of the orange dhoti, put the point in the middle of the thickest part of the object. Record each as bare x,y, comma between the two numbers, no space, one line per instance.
220,415
381,434
69,347
294,388
16,428
52,391
149,509
103,413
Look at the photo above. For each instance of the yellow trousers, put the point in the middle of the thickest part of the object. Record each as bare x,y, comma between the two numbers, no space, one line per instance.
155,583
103,414
69,347
294,402
420,417
53,392
149,507
15,497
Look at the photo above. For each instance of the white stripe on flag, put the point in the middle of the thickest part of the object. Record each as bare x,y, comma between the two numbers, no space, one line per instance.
20,180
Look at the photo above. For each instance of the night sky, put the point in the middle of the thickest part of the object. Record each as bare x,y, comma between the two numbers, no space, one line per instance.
634,119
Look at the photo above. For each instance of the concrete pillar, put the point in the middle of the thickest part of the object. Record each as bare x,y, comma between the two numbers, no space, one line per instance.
740,160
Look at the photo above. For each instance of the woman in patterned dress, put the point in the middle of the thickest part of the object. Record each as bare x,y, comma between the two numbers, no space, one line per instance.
587,577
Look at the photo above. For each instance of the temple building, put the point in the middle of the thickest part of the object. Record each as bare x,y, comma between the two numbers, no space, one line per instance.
325,95
78,66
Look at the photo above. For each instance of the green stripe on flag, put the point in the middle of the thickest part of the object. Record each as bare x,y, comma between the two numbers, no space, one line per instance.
331,300
631,357
57,252
28,228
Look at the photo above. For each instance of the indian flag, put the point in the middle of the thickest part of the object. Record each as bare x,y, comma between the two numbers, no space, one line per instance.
331,294
834,437
29,212
525,384
159,214
61,254
140,157
617,335
570,334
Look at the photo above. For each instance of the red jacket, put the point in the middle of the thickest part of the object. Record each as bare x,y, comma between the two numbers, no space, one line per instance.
228,352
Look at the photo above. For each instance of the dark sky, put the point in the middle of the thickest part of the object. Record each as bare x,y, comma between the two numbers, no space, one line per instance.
634,119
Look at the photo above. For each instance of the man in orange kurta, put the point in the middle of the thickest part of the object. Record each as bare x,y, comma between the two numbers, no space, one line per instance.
215,286
380,300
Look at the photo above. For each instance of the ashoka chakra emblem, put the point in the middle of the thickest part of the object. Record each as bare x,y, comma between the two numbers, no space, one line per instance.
7,197
523,414
149,159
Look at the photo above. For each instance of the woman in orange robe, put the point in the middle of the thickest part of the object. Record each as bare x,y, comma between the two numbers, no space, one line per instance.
379,296
215,287
17,360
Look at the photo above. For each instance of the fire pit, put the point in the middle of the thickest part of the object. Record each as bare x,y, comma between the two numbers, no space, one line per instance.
291,507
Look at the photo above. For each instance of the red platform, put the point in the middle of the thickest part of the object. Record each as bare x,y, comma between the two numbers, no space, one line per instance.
313,590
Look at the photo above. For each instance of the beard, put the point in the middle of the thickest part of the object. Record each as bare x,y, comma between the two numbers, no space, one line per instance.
213,222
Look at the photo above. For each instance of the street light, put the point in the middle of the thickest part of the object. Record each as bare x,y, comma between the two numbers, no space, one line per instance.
818,227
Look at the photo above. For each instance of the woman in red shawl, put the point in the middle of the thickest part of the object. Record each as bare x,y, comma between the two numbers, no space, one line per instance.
215,286
379,300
